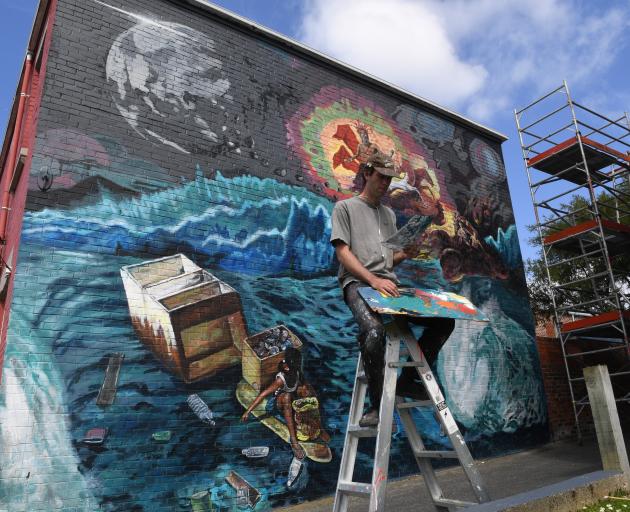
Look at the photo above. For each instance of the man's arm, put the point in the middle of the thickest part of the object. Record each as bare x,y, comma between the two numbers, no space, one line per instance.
409,252
356,268
400,256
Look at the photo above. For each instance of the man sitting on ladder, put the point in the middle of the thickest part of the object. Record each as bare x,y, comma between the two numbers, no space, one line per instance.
360,224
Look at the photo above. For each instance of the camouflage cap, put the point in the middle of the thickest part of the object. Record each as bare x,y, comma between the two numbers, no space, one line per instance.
385,166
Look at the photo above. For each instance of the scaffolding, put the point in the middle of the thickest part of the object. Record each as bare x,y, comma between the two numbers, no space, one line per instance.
578,167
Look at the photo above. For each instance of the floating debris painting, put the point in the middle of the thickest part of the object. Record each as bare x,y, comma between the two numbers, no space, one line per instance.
200,408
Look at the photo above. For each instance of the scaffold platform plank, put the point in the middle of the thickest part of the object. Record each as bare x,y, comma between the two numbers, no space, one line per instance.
616,235
597,322
566,154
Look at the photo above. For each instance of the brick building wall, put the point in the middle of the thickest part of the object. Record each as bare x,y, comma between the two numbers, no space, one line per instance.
554,375
19,139
179,198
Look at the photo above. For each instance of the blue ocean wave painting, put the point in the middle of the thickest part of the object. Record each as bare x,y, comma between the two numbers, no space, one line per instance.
239,222
490,371
507,245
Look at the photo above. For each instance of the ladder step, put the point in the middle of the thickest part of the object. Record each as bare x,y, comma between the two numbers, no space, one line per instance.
445,502
357,431
436,454
597,351
361,377
406,364
355,488
411,405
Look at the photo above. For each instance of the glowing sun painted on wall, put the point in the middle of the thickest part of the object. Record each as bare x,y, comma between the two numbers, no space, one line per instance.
336,131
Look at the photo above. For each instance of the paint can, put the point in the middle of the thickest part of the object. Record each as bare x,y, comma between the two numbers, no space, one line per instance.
242,498
201,502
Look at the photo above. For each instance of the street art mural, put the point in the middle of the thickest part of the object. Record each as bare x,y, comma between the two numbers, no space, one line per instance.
175,250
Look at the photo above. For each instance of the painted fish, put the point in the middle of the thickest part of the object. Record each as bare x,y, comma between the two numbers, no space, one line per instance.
200,408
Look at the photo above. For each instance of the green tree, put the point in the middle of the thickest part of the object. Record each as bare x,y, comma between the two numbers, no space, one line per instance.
564,267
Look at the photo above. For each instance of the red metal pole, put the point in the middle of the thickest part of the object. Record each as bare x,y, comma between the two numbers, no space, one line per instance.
15,147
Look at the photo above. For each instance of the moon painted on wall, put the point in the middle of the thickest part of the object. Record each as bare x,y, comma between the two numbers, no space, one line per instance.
168,83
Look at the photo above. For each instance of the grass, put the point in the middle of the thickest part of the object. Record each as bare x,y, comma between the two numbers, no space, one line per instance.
618,503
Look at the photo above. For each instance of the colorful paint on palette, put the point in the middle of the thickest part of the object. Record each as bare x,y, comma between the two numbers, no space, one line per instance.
423,302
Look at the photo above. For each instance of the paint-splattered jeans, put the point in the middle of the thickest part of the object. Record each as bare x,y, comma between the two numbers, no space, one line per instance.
372,340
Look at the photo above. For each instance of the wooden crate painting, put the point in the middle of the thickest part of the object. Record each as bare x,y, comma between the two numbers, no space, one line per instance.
260,369
191,321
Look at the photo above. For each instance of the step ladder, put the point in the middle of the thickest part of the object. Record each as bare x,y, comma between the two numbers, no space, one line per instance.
398,331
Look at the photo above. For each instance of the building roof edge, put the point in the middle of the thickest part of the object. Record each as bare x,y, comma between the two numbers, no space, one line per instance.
40,16
251,25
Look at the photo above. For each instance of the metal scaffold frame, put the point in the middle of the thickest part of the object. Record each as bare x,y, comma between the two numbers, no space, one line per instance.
578,168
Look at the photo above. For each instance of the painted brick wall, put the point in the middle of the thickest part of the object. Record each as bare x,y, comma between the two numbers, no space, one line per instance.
166,134
560,408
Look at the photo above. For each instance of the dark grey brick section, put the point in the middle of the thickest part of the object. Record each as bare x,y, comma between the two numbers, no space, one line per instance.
265,91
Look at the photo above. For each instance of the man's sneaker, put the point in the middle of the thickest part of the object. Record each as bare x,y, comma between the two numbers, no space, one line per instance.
369,419
410,388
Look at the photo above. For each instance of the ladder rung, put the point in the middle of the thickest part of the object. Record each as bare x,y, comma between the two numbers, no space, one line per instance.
581,280
598,351
405,364
611,375
361,377
453,503
411,405
358,431
355,488
436,454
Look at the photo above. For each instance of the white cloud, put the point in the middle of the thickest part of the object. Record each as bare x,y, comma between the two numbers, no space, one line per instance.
479,56
400,41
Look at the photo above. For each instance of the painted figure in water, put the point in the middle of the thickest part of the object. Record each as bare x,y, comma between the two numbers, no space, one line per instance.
295,399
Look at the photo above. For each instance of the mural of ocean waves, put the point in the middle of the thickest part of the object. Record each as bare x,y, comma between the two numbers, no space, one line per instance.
489,371
56,363
35,426
236,222
507,245
70,314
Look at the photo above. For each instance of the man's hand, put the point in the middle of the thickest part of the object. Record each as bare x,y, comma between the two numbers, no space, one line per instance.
409,252
385,286
245,417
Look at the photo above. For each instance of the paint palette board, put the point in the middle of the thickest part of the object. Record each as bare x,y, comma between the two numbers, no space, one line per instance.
423,302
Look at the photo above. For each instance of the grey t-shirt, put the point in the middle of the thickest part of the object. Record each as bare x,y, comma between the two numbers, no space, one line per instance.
363,228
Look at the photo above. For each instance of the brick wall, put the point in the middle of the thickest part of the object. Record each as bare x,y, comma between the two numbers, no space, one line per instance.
559,407
174,150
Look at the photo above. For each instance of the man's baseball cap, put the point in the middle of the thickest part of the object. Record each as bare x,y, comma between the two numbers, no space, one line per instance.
383,166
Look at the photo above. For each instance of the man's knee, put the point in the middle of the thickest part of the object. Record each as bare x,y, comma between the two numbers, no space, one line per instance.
373,340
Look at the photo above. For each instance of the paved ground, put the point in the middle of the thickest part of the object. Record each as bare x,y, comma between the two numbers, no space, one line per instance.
503,476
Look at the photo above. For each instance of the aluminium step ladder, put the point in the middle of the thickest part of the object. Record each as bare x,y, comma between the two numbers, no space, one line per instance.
398,331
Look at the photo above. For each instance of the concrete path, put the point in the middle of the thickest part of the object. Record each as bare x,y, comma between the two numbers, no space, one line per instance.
503,476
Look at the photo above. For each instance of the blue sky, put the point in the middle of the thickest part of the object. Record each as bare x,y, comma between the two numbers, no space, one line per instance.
482,58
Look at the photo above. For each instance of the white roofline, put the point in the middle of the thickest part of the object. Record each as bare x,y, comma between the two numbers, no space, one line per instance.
346,68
